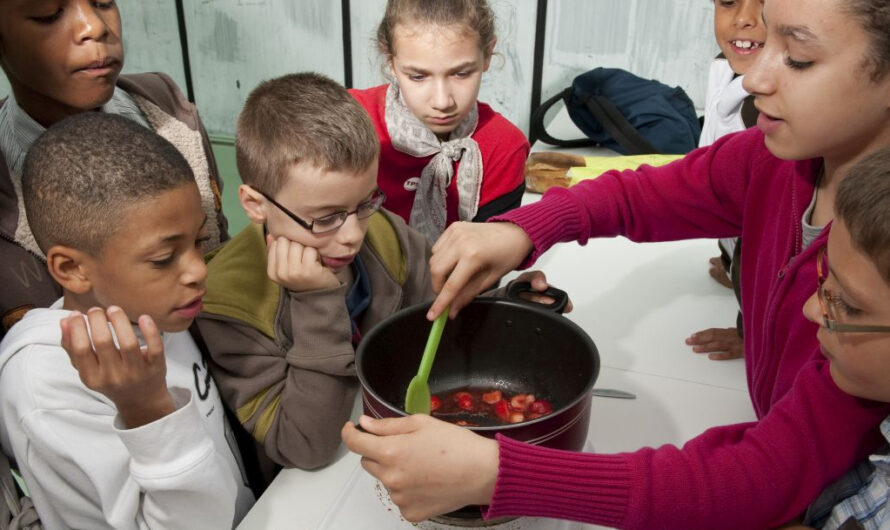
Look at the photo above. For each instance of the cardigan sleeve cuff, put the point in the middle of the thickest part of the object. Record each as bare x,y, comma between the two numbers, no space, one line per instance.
542,482
170,445
552,219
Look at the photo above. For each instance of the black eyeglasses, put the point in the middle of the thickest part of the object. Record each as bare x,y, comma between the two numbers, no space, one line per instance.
331,222
828,300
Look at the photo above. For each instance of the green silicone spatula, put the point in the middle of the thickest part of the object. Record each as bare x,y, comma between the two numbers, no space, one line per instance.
417,399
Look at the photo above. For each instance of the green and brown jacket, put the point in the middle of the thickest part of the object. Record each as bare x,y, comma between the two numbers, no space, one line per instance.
285,361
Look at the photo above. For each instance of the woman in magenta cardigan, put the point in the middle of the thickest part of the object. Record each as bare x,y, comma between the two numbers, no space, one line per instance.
822,86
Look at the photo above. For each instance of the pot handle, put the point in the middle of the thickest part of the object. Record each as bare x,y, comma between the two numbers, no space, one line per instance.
561,298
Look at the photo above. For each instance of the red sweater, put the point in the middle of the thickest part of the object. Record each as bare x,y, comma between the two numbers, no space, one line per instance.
753,475
503,146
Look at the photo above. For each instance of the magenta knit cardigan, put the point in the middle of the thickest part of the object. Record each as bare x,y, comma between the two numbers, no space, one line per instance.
752,475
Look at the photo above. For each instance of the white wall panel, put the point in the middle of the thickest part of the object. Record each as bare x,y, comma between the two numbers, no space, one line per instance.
151,38
235,44
672,41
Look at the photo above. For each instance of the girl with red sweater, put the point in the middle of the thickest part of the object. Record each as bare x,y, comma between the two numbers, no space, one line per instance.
822,86
444,156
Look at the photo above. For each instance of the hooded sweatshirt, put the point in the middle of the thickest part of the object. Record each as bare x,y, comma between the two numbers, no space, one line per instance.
84,469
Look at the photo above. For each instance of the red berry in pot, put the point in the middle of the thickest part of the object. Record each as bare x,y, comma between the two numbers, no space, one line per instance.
435,403
517,417
458,396
502,410
540,407
520,402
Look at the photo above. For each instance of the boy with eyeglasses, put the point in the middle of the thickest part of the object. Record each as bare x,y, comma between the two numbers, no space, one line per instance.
852,307
289,297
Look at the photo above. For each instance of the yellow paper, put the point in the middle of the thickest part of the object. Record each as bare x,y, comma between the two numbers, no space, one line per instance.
597,165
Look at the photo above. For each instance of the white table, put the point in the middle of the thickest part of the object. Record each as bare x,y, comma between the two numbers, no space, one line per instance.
638,303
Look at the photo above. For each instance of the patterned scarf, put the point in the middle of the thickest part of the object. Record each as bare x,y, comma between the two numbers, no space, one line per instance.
410,136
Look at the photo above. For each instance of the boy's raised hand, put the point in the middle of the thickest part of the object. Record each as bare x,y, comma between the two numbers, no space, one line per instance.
132,376
297,267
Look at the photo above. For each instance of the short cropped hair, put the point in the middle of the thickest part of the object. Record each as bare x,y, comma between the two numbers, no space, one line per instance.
863,204
86,171
304,117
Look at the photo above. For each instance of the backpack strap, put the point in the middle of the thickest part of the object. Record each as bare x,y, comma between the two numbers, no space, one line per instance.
605,112
539,131
618,127
385,242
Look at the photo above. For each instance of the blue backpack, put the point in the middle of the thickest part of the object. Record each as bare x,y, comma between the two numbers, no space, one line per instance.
625,113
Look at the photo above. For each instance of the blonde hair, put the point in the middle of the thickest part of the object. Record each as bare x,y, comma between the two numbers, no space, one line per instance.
303,117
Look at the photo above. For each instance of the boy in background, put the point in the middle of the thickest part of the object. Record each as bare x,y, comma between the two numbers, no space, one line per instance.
740,34
126,429
64,58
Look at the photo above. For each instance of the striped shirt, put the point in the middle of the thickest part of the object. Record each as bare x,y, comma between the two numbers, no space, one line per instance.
18,130
860,495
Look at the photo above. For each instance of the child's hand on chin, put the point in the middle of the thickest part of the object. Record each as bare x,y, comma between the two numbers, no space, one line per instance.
297,267
133,377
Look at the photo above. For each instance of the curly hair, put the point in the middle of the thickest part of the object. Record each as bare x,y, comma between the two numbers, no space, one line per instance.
85,172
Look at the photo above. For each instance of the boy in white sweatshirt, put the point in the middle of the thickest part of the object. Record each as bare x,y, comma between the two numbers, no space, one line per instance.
740,34
116,424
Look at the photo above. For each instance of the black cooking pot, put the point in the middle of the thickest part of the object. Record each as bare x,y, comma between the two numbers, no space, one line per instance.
509,344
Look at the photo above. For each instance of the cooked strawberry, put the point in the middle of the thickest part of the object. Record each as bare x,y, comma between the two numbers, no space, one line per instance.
492,397
533,415
435,403
462,395
466,403
540,407
517,417
502,410
520,402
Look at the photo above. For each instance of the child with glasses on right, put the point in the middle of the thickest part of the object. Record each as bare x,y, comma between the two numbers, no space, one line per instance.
852,308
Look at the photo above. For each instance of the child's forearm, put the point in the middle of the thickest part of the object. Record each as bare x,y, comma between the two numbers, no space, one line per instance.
139,412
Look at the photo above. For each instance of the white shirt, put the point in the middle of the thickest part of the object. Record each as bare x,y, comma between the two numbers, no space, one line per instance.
85,470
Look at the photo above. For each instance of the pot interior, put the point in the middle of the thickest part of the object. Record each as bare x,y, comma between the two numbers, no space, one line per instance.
492,344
